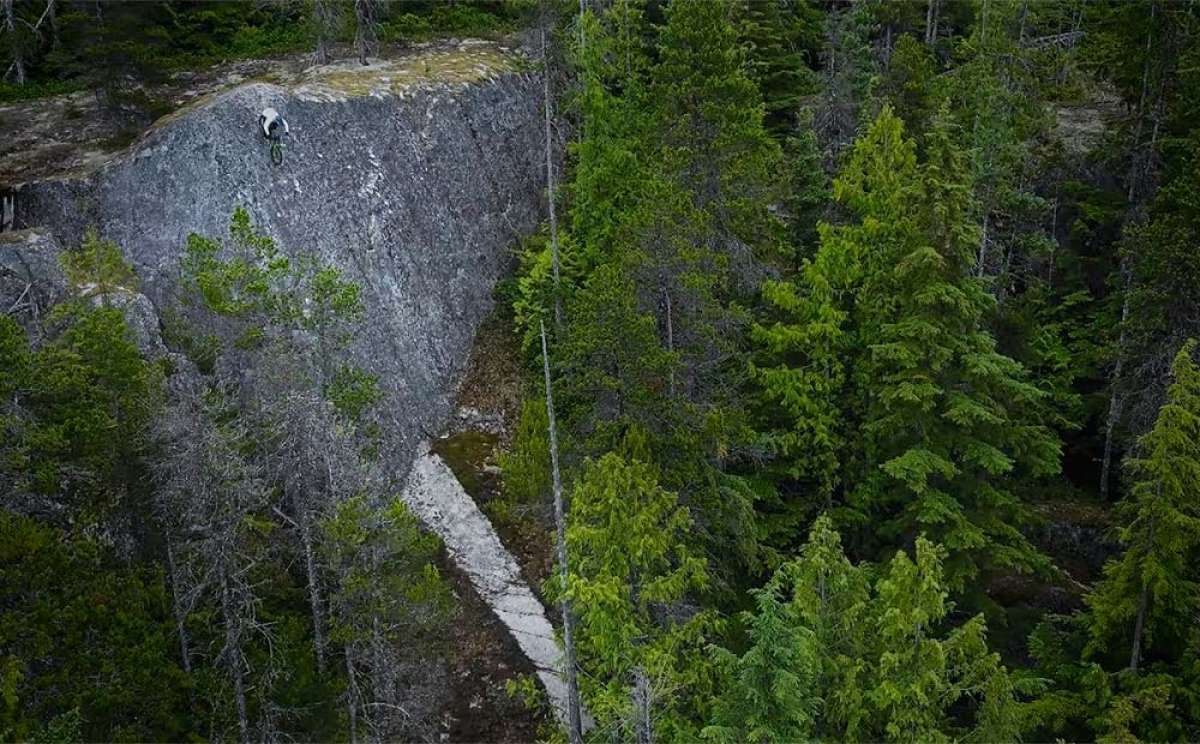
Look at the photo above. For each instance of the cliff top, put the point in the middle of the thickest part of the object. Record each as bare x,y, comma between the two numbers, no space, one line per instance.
80,131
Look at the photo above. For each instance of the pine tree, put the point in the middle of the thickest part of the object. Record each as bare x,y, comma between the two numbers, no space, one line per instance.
1154,585
771,695
807,341
711,119
891,307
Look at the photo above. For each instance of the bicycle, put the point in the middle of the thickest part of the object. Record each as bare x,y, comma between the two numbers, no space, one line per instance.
276,151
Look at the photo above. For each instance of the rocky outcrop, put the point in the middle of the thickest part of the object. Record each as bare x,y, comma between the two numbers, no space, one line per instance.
31,276
414,176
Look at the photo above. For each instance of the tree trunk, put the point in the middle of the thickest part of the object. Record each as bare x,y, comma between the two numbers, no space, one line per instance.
314,592
1138,625
10,28
643,730
670,341
179,610
574,716
979,268
52,12
550,182
364,28
1137,132
233,660
1116,399
322,18
931,22
351,695
582,10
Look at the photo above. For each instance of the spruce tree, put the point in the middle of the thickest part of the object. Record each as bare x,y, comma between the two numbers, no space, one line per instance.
947,422
839,654
892,312
772,694
631,558
1152,592
807,340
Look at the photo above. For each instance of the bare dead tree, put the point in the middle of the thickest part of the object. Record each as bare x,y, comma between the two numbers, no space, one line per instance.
931,21
365,28
324,18
384,632
8,24
313,455
1116,398
548,107
643,729
574,715
210,490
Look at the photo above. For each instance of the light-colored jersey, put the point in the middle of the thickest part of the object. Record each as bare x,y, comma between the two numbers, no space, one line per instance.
270,117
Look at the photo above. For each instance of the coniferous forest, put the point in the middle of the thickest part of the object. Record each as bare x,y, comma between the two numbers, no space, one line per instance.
858,382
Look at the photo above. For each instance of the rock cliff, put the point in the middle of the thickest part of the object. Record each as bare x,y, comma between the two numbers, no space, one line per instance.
415,176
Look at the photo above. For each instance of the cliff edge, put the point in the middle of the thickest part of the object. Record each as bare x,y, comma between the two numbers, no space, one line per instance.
415,176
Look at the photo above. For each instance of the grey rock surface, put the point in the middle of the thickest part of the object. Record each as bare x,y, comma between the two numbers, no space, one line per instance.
415,187
31,277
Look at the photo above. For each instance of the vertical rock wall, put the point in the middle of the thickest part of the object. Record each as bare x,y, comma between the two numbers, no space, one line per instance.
418,193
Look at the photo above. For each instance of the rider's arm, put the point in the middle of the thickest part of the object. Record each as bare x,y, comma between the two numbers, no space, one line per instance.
286,128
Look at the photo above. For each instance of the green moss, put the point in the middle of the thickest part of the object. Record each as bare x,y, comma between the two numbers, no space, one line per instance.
449,67
466,454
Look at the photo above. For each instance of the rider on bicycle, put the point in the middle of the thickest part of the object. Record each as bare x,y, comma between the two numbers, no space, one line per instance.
271,121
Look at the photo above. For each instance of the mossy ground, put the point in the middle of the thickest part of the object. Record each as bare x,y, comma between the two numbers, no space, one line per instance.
468,62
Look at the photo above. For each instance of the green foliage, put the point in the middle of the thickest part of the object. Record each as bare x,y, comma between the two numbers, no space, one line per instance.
98,268
73,613
628,544
77,409
12,93
711,119
889,342
420,21
837,653
613,367
1155,580
526,466
382,563
1164,277
353,392
771,695
782,38
254,297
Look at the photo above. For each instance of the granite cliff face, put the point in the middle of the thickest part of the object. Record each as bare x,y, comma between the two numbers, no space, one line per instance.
416,177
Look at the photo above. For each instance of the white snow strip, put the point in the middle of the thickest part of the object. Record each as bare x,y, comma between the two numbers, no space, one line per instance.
436,497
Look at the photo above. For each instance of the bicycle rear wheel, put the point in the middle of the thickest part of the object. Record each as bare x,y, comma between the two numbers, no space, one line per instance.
277,153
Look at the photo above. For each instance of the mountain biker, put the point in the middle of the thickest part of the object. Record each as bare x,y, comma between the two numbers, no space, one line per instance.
271,121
